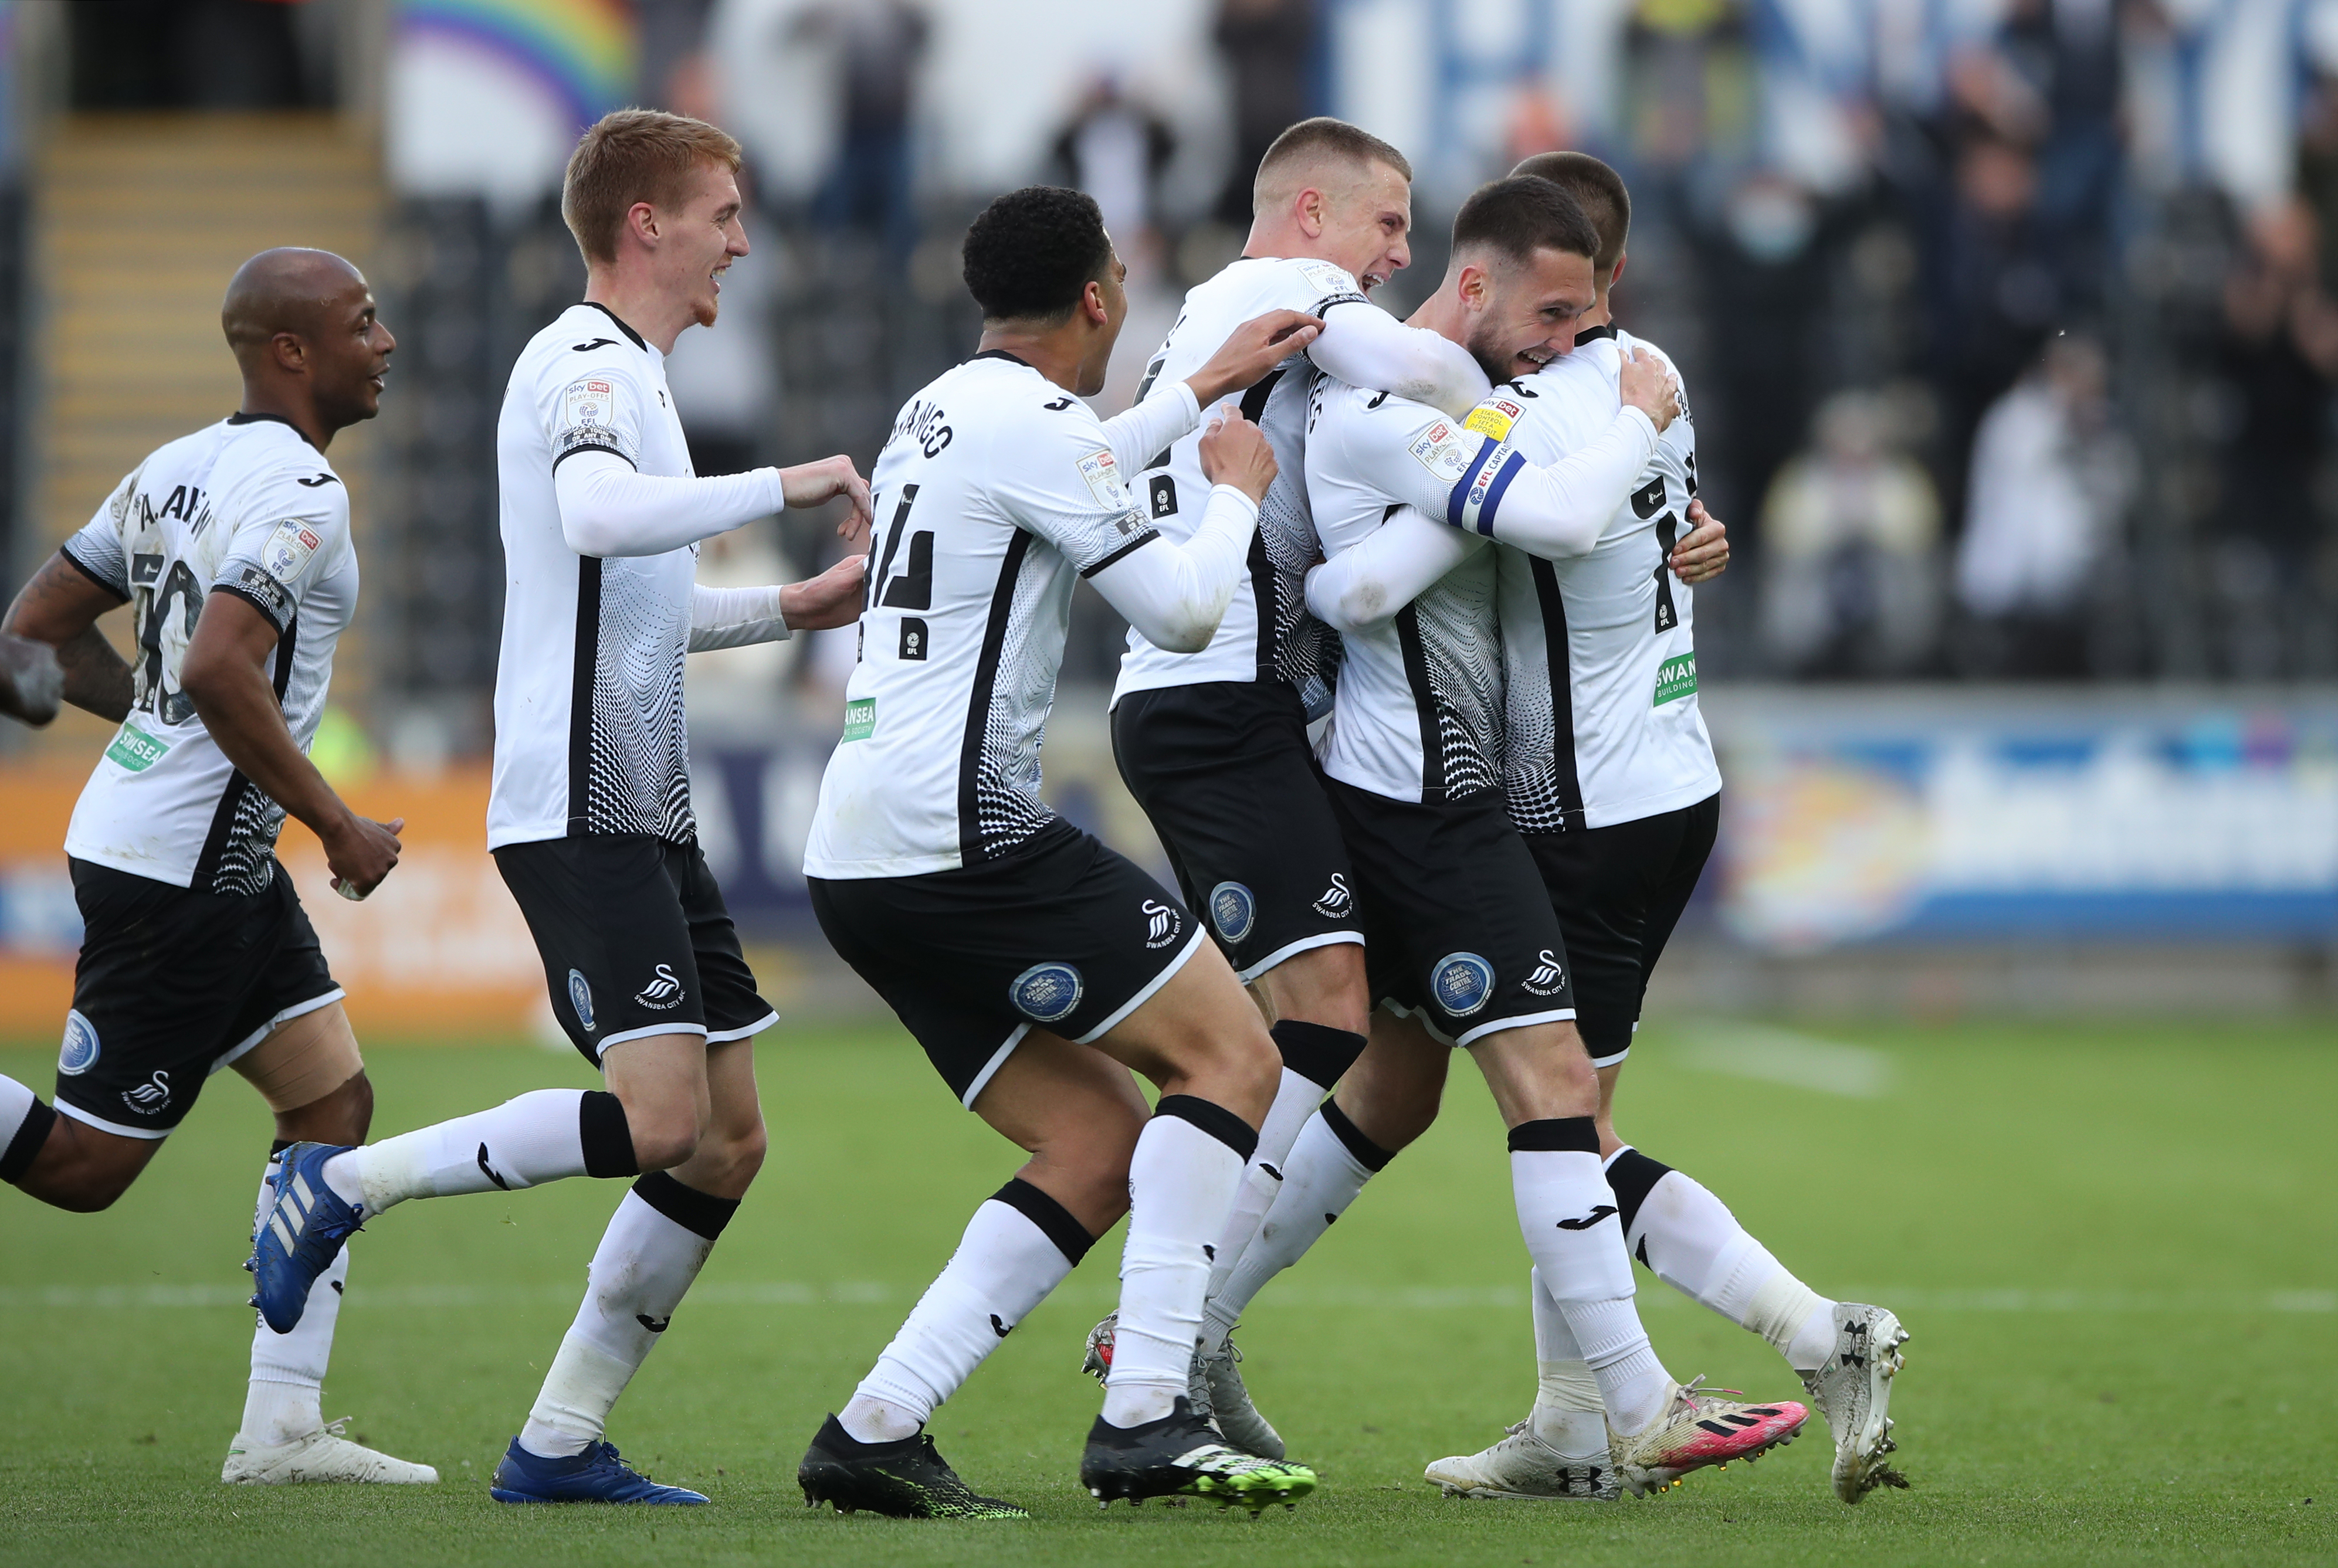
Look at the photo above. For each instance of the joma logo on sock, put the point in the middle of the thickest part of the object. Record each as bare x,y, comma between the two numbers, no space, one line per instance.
1588,1221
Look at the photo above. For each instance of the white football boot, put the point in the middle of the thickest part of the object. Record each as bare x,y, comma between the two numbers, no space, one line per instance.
1854,1390
1231,1410
323,1454
1523,1466
1699,1428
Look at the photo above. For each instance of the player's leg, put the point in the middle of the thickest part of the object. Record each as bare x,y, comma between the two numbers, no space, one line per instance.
65,1163
309,1070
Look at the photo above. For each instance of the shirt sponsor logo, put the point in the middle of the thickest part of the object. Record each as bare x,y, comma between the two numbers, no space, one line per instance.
1675,679
859,719
664,992
78,1054
1461,983
1549,976
1494,418
1102,473
134,750
591,401
1444,448
1234,910
1047,992
580,997
1161,922
289,550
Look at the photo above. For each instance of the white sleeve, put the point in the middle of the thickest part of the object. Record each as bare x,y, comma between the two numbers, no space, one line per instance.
1175,594
1364,346
1138,434
734,617
1391,567
607,509
1482,485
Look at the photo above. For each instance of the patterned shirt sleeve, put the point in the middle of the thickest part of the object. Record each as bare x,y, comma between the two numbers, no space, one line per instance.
1065,486
97,548
599,409
285,537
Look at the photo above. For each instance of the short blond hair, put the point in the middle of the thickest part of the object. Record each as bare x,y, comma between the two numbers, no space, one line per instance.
636,155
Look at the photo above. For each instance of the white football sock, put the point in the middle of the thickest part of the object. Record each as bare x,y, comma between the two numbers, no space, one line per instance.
533,1138
1694,1244
1567,1414
16,1104
1181,1181
1320,1178
1263,1179
1018,1247
284,1399
1561,1193
656,1244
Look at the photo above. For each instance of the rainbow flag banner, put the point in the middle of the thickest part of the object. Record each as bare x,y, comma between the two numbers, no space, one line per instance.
585,52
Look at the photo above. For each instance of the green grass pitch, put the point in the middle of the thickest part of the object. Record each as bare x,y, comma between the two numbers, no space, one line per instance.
2116,1247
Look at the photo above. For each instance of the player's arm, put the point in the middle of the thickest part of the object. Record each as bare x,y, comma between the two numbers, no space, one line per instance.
736,617
608,509
1175,594
59,608
1249,352
1387,570
1364,346
226,674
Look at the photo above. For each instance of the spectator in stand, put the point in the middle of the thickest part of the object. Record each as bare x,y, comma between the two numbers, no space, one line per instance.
878,44
1269,47
1851,532
1116,149
2051,480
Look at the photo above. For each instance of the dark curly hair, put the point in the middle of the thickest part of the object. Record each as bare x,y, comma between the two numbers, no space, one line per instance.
1031,253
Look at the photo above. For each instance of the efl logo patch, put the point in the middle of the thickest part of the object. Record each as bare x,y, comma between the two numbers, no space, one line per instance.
1161,922
79,1053
580,997
1549,976
1443,448
1047,992
591,401
1102,473
1461,983
1234,910
1494,418
289,550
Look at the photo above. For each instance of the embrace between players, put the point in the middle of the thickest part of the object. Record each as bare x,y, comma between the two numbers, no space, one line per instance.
1466,542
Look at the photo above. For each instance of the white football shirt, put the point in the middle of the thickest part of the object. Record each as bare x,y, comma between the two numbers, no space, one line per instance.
1418,712
1602,719
591,735
248,507
996,493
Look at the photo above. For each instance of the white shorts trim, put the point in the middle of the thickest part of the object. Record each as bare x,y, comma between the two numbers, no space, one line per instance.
1617,1060
717,1036
78,1114
1144,996
997,1059
312,1004
1293,949
1471,1036
649,1032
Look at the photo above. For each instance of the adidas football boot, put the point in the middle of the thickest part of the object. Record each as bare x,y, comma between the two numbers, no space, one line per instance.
1697,1428
1523,1466
907,1479
303,1232
1179,1455
324,1454
1854,1390
595,1475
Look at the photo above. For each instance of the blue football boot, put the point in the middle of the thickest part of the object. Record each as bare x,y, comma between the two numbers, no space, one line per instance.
303,1232
595,1475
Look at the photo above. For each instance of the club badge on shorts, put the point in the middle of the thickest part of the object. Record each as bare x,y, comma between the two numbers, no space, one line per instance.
1047,992
1234,910
580,997
79,1053
1462,982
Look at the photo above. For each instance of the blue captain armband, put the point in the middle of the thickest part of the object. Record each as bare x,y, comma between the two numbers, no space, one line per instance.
1478,494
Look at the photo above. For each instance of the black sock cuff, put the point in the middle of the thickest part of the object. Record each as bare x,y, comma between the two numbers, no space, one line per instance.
608,1139
1366,1153
1055,1222
1556,1136
1317,1052
1632,1176
25,1146
701,1213
1214,1119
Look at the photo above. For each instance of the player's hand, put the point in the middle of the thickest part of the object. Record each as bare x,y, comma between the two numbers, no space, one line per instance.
1704,555
31,682
1647,386
831,599
360,853
1234,452
811,484
1250,350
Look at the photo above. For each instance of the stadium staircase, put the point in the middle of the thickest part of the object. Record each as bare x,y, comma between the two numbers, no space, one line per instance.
138,222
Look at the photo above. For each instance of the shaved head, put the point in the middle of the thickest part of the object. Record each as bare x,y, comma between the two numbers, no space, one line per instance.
287,290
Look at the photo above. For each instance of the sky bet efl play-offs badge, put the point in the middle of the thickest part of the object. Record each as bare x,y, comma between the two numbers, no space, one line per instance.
587,401
1443,448
1047,992
289,550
